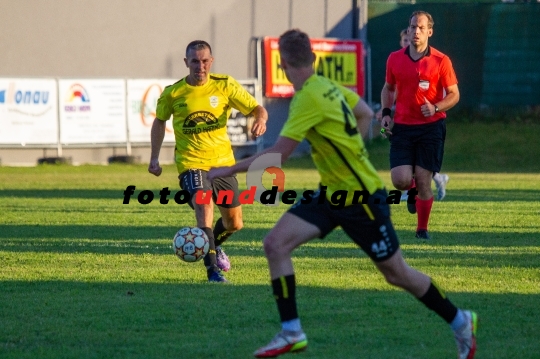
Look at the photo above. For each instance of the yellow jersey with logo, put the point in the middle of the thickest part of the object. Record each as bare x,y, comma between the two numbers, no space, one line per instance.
199,115
321,112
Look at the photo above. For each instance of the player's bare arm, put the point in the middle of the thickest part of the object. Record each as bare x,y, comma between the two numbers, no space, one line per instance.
259,125
363,114
156,138
387,100
284,145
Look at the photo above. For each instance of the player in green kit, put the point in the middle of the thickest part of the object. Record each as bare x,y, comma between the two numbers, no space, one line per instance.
200,105
328,116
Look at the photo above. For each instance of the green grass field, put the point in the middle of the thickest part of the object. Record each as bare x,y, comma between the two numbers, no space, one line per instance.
84,276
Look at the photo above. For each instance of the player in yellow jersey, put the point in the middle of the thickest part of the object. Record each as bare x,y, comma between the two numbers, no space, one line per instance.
200,105
329,116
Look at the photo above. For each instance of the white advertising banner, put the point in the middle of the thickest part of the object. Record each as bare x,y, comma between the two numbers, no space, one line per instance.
238,125
142,96
28,112
92,111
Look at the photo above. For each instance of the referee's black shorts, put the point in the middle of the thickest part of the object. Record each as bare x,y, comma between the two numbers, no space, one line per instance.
368,225
418,145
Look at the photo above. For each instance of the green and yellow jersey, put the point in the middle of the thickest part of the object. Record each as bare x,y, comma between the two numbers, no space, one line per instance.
321,113
200,116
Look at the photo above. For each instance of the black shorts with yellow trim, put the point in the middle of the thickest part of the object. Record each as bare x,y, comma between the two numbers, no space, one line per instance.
368,225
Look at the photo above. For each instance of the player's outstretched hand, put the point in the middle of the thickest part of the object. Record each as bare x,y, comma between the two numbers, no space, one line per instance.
154,168
259,128
219,172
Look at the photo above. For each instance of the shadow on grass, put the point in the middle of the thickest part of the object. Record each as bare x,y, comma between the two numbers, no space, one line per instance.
76,193
449,247
66,232
62,319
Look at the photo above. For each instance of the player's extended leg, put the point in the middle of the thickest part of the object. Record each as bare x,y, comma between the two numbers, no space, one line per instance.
204,215
403,179
424,200
463,322
226,194
229,222
194,181
290,232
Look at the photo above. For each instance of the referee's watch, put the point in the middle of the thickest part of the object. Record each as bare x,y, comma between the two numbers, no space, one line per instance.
436,108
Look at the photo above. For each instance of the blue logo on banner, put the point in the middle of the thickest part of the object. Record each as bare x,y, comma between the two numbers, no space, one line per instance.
26,97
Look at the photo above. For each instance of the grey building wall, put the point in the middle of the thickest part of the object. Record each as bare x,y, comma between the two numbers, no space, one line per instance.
147,39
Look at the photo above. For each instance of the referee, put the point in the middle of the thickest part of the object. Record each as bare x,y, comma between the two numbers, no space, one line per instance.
426,87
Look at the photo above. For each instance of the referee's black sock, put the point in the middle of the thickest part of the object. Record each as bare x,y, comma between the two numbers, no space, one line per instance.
435,299
209,260
220,233
284,289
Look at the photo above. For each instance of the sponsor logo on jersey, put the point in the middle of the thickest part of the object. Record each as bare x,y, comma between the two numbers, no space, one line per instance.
200,121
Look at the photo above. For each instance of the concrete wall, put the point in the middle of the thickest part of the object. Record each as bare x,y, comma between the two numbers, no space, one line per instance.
147,39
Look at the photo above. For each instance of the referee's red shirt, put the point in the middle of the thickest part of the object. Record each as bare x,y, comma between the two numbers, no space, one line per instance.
426,77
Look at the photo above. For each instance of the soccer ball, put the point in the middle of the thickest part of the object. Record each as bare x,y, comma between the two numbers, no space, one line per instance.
190,244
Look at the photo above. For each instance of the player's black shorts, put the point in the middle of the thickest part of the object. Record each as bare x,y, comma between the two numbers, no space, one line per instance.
418,145
368,225
194,180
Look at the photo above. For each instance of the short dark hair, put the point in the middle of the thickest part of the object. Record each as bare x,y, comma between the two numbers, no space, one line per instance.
426,14
295,48
198,45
